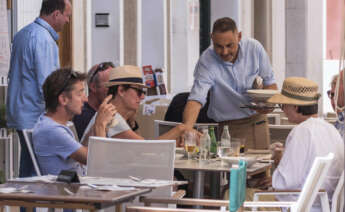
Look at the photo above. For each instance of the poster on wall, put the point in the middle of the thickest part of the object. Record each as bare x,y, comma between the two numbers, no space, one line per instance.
4,40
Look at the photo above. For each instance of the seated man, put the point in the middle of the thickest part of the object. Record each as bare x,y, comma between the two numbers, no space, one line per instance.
338,101
54,143
126,86
96,77
312,137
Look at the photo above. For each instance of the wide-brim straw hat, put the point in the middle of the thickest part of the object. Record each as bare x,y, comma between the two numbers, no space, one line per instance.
297,91
125,75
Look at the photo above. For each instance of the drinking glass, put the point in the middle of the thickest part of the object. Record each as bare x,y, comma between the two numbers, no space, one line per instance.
235,147
190,143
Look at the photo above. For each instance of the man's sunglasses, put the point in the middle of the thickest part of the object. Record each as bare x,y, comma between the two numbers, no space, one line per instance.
139,91
330,94
101,67
71,75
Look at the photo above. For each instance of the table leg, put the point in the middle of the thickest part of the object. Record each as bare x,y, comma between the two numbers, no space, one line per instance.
29,209
198,188
215,184
118,208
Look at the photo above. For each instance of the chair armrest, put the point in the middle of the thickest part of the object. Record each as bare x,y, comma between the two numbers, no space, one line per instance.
279,192
185,201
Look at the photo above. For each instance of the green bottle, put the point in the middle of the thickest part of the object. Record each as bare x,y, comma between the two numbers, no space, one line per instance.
213,147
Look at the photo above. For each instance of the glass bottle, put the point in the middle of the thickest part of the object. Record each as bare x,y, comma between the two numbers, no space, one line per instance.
205,142
213,147
225,143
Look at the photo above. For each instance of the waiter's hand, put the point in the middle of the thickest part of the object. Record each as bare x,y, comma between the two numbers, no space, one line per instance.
180,141
264,110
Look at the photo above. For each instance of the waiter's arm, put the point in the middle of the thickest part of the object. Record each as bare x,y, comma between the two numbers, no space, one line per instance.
272,86
190,113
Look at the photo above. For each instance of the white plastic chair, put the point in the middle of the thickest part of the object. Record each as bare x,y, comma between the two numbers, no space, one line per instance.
273,118
71,126
28,140
120,158
338,196
161,127
308,193
304,202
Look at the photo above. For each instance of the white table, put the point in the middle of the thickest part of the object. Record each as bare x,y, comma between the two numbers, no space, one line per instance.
199,169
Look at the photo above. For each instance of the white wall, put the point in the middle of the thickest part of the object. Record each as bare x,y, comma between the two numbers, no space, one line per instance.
184,43
225,8
106,40
152,33
27,11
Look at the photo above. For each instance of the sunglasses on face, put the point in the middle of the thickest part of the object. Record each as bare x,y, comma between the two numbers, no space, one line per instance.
330,94
70,76
101,67
139,91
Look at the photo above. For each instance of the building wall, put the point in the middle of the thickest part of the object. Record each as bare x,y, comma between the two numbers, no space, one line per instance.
106,40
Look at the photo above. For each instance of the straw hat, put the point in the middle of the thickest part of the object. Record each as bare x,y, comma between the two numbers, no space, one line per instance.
124,75
297,91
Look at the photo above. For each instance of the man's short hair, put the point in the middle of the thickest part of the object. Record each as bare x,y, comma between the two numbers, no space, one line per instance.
61,80
308,109
49,6
93,76
223,25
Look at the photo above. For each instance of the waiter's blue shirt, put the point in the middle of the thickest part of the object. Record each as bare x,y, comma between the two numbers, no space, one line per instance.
34,56
228,82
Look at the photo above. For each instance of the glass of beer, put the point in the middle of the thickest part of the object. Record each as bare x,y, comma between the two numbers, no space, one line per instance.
190,143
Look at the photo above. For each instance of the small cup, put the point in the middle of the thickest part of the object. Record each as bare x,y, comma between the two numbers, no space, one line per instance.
190,143
235,147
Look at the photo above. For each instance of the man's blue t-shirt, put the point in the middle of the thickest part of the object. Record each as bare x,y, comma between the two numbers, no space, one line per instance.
53,144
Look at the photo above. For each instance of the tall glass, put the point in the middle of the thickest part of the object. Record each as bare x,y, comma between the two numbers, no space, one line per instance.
190,143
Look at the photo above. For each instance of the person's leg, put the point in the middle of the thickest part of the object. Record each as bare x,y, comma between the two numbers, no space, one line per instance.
26,168
261,132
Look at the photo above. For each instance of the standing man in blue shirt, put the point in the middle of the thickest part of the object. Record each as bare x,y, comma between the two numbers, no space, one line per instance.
228,69
34,56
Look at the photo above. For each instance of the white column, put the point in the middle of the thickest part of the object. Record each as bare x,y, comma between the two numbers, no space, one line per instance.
278,40
184,43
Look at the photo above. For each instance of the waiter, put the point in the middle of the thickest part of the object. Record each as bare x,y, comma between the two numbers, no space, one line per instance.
228,68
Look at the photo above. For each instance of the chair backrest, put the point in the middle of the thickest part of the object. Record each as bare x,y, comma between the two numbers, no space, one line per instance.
279,132
28,140
313,182
338,195
154,159
162,127
238,179
273,118
71,126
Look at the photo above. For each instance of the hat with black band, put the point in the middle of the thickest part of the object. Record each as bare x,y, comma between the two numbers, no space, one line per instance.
125,75
297,91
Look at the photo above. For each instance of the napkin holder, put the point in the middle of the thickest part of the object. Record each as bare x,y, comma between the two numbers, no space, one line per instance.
68,176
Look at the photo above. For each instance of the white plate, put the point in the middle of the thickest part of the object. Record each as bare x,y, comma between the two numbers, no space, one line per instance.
179,156
179,150
261,94
235,160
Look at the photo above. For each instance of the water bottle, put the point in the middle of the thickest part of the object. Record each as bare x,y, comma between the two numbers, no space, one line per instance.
225,143
205,142
213,148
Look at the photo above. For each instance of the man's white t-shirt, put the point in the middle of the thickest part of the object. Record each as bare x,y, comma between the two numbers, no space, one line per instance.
312,138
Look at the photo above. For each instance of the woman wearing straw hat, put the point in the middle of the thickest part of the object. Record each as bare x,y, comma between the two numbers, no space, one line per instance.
126,86
311,137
